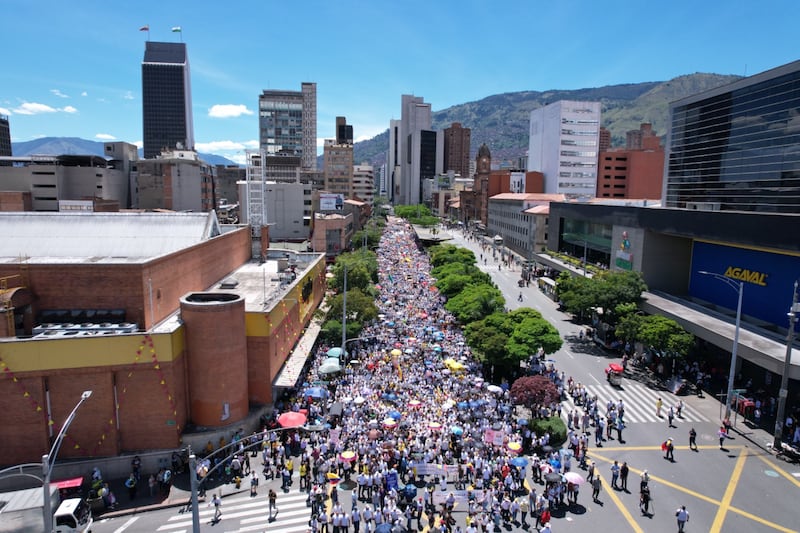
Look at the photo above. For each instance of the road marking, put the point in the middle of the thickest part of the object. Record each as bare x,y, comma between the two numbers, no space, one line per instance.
126,525
622,509
725,504
791,477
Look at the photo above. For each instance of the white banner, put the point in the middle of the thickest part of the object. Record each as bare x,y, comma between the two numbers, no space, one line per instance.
461,498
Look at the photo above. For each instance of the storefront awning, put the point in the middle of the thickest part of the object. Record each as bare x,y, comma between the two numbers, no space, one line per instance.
293,367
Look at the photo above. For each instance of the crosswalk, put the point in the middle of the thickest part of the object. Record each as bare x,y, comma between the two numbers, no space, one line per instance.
241,513
639,401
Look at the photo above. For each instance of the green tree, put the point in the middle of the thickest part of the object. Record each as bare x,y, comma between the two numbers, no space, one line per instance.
475,302
664,334
443,254
362,270
488,337
528,336
506,339
372,233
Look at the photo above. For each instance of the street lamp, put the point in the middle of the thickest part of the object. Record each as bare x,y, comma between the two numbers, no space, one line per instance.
737,286
49,461
787,362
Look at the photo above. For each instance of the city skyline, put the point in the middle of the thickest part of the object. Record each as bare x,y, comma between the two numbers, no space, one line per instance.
86,83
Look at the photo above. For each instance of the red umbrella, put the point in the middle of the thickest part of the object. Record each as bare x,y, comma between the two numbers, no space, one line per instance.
291,419
614,367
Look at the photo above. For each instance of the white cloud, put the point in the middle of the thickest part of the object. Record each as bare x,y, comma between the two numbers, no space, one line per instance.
228,110
33,108
138,144
105,137
214,147
84,93
58,93
4,111
251,144
69,109
128,95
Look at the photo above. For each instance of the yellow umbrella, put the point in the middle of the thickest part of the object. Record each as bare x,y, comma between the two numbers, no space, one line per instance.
514,447
396,352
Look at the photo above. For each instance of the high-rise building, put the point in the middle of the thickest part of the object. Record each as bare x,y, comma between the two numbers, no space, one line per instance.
287,124
635,171
415,152
344,131
166,99
564,140
456,149
364,182
5,136
737,147
338,169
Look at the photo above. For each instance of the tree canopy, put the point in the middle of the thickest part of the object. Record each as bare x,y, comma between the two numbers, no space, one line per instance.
506,339
607,290
475,302
416,214
444,254
533,392
362,271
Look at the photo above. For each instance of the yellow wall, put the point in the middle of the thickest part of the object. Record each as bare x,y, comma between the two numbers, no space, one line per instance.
46,355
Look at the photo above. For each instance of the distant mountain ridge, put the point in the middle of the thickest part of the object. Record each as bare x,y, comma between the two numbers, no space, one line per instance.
78,146
502,120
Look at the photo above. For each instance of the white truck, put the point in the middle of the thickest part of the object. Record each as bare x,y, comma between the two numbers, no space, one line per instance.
21,512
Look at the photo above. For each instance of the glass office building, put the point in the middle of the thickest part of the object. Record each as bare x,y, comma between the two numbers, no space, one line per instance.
166,99
737,147
287,124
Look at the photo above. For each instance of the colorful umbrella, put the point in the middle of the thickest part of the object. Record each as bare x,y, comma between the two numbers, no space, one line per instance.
574,478
389,422
395,415
291,419
436,426
396,352
348,456
494,389
514,447
457,430
359,400
414,403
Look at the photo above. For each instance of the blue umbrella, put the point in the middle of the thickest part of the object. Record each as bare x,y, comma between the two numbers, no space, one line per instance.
457,431
395,414
390,396
520,462
473,404
522,421
316,392
462,405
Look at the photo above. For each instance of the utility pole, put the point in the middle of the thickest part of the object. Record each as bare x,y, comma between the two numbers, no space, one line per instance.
787,363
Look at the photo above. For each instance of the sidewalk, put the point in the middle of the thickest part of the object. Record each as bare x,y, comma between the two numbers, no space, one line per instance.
180,495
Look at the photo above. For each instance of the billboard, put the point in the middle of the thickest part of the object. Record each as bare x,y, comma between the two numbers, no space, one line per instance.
768,279
330,202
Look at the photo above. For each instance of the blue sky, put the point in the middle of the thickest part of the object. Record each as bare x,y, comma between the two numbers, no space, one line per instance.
73,69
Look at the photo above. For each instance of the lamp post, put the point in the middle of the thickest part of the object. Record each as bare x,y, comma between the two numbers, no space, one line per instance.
49,461
787,363
344,311
739,287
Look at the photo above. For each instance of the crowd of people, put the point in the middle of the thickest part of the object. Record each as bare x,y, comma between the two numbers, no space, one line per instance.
411,426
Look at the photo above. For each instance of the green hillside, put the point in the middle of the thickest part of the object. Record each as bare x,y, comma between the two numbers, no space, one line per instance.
501,120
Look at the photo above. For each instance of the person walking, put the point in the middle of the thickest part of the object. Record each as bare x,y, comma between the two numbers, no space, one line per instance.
693,439
670,416
623,475
130,483
273,502
644,499
217,503
722,434
590,474
596,484
254,485
682,516
659,405
668,448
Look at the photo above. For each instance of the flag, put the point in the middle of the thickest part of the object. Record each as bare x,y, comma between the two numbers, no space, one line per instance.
145,28
176,29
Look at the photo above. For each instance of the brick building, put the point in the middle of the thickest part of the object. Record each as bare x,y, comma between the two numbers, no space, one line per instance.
151,308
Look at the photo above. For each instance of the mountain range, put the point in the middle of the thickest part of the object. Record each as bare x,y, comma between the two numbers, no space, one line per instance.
502,120
78,146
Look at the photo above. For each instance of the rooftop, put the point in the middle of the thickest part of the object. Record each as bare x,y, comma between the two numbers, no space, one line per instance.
68,238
